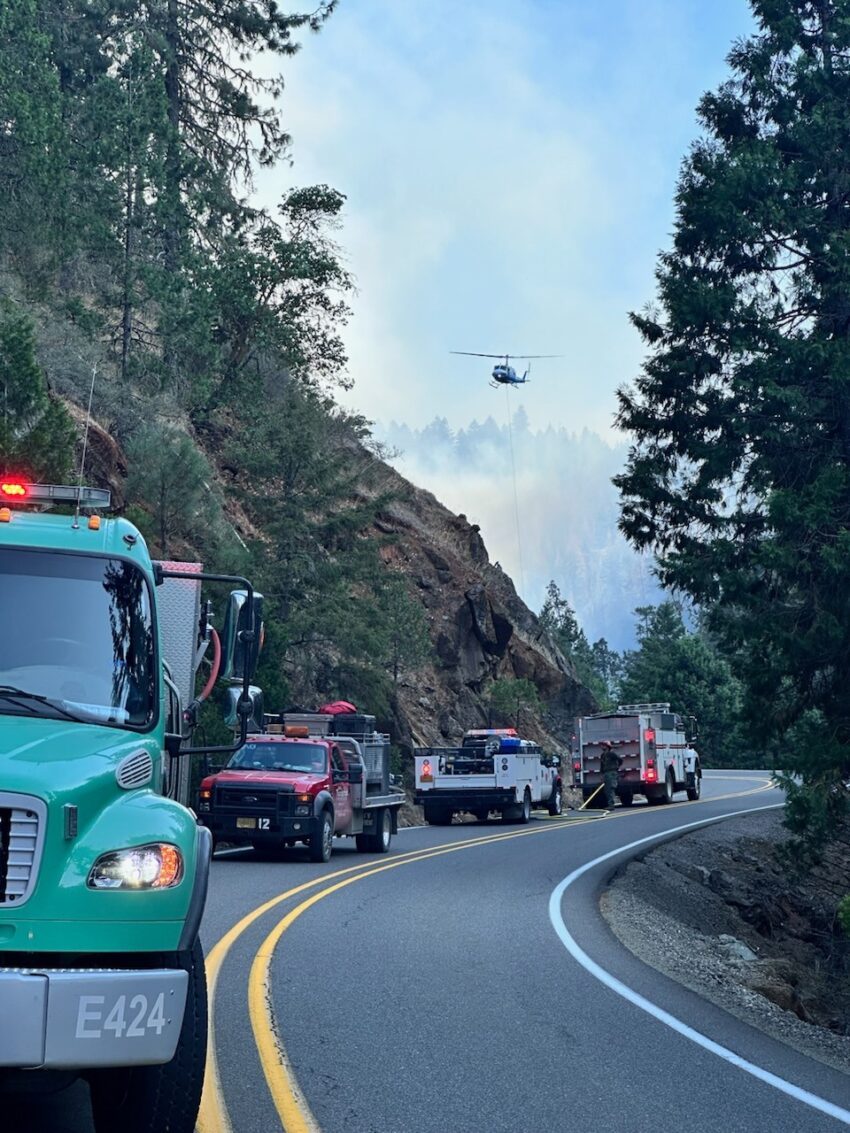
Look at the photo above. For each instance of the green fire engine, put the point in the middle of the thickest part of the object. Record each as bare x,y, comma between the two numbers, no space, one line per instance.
103,871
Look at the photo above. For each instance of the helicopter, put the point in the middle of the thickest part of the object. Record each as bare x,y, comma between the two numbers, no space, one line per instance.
503,372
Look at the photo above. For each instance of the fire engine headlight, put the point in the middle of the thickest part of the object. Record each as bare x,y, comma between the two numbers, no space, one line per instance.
302,810
156,866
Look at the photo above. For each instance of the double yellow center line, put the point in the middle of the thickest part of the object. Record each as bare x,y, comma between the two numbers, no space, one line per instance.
292,1108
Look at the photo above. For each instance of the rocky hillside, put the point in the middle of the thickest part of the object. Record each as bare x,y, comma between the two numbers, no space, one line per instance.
480,629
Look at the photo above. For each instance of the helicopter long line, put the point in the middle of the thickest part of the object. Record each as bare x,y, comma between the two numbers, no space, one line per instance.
516,497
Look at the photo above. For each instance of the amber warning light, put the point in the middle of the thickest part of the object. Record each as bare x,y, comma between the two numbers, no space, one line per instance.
13,489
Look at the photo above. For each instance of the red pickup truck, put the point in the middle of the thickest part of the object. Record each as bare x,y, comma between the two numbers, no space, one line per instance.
279,790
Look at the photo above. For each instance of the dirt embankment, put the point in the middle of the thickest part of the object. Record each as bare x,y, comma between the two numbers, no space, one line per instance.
717,911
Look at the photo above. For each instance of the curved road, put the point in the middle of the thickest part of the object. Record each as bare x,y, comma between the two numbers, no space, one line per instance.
466,983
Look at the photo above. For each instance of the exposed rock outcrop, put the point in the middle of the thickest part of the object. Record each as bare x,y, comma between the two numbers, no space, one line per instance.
480,628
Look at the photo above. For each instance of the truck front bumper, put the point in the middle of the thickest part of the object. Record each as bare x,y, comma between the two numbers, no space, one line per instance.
259,829
75,1019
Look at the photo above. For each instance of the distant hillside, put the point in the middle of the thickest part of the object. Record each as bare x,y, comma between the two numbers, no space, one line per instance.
567,509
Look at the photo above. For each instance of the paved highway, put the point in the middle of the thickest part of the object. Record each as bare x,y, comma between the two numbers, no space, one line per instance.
466,983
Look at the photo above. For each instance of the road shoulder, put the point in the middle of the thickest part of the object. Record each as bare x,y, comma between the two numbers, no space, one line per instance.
715,912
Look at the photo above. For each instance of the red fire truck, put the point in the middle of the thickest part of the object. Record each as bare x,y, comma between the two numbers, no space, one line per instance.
310,777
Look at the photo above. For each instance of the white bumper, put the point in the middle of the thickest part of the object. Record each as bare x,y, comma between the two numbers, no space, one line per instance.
79,1019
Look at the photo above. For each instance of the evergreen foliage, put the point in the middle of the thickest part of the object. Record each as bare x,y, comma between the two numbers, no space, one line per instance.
739,477
510,695
169,473
309,480
844,914
407,644
36,432
597,665
683,669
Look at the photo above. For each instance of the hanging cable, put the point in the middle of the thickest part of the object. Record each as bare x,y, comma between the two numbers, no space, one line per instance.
516,497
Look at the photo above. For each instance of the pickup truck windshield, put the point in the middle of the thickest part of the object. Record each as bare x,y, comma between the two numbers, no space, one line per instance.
311,758
77,639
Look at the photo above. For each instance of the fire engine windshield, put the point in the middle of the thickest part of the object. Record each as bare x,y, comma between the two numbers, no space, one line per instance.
77,639
309,758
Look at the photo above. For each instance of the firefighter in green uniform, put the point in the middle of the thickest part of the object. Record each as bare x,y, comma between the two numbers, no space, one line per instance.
609,765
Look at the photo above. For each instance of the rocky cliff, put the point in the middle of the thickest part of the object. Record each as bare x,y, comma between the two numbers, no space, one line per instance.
480,628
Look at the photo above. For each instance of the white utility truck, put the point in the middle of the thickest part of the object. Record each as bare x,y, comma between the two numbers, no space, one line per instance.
654,744
493,770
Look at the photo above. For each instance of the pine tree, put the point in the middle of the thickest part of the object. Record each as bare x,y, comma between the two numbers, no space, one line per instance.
739,477
682,668
172,477
597,664
36,432
407,644
510,695
31,174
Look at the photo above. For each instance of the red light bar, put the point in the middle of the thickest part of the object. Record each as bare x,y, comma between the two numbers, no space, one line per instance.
13,488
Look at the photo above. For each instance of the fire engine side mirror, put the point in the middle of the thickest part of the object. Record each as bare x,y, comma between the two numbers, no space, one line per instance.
692,732
241,636
355,773
255,714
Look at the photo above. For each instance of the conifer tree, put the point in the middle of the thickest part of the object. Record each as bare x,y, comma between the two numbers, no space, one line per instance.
36,432
739,477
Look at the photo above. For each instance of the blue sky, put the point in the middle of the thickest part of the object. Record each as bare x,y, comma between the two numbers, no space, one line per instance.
510,168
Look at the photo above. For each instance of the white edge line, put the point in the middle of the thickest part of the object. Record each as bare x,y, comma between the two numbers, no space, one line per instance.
658,1013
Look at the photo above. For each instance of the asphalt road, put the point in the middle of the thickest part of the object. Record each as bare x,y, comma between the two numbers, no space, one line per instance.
445,987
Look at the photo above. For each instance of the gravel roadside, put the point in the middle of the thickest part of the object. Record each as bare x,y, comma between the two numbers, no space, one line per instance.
715,911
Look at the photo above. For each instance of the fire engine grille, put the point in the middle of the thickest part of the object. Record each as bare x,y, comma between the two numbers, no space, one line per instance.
21,836
254,800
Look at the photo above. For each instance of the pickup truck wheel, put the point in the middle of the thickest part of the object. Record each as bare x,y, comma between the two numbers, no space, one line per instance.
379,842
525,809
384,836
321,844
150,1099
695,791
521,812
556,802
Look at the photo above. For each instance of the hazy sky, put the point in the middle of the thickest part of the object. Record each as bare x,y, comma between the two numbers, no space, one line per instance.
510,168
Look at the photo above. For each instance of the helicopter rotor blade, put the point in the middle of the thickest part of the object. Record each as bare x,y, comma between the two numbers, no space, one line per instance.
507,357
475,354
